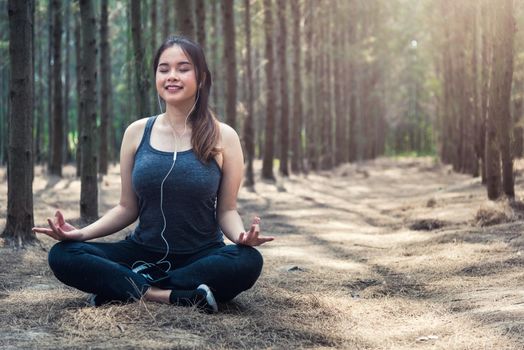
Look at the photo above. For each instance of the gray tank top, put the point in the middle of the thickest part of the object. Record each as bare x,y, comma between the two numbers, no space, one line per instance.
189,199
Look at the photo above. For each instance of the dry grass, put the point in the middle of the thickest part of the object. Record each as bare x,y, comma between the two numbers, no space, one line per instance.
346,271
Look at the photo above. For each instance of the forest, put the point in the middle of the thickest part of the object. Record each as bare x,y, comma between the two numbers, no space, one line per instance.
382,143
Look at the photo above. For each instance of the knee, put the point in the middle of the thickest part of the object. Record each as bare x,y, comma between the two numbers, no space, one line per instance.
59,255
252,261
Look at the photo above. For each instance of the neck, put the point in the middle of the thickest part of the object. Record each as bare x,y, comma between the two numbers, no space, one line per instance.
177,115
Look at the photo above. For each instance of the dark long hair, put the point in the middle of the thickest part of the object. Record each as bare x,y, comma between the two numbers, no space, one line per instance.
205,125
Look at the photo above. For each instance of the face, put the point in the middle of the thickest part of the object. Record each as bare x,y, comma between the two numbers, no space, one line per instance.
176,77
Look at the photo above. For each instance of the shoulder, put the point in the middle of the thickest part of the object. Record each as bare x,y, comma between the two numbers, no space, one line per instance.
228,136
134,132
137,126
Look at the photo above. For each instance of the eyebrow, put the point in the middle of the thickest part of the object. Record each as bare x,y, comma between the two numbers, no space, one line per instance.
178,64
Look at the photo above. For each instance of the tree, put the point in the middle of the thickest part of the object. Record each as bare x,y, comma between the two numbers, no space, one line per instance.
88,187
66,150
200,11
142,83
79,81
503,26
55,165
230,61
249,134
184,18
284,98
296,129
310,65
20,217
267,163
105,96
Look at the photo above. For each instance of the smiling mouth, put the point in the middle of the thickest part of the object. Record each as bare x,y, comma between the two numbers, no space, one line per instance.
173,88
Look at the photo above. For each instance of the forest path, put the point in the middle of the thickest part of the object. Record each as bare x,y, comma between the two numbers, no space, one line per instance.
346,270
455,287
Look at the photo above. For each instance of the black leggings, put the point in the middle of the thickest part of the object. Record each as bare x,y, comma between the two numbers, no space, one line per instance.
105,269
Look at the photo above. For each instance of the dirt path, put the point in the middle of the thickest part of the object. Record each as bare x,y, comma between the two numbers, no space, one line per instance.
346,271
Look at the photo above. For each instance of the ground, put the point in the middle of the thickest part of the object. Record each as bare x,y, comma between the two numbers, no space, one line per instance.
386,254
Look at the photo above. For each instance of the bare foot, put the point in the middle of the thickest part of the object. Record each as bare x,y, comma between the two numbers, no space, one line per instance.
158,295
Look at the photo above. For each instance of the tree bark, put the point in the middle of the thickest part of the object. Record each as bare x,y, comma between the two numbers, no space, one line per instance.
500,90
88,188
142,83
66,151
55,165
105,77
200,11
230,61
267,163
165,20
296,130
310,65
79,89
184,18
20,217
249,134
284,98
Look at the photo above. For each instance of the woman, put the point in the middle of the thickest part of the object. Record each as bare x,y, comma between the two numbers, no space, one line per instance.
181,172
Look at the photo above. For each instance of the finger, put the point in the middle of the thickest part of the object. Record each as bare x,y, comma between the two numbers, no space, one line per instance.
53,226
60,218
262,240
46,231
241,237
256,220
256,230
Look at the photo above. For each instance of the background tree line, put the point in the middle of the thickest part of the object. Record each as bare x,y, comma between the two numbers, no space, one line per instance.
310,84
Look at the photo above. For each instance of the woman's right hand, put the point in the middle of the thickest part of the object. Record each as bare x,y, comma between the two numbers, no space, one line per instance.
60,229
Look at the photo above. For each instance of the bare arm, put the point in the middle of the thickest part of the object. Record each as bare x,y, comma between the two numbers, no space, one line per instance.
126,211
232,173
120,216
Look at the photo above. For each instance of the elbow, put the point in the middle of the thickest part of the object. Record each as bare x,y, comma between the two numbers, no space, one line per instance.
130,211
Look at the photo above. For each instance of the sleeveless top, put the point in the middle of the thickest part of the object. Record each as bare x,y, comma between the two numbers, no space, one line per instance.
189,199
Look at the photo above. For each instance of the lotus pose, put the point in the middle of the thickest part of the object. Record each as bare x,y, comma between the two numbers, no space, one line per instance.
181,171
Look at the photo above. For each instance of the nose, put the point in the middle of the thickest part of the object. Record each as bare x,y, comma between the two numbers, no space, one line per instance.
172,75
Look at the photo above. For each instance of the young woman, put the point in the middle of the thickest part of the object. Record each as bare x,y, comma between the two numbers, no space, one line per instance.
181,172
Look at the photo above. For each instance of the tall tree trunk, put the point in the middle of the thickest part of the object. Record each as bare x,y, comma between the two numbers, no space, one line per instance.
20,170
485,74
214,54
500,90
142,83
55,165
200,12
310,66
518,110
249,135
492,157
66,150
165,20
50,88
154,26
39,98
352,103
267,163
105,77
184,18
88,188
296,129
340,113
284,98
230,61
79,89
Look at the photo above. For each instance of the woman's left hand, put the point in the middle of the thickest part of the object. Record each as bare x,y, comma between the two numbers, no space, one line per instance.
252,238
